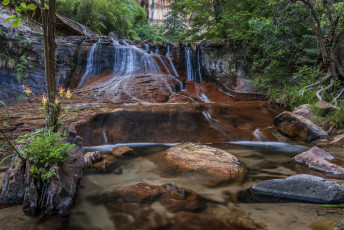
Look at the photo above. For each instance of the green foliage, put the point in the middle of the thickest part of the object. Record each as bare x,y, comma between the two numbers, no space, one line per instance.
16,19
336,119
290,93
125,18
45,149
7,112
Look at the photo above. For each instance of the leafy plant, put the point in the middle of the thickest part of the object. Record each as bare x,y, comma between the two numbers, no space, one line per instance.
45,149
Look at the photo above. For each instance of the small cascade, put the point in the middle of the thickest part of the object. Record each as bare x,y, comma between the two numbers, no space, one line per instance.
91,67
105,138
157,51
204,97
171,62
193,65
199,64
147,47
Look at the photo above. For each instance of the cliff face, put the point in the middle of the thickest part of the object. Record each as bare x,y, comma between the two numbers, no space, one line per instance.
156,9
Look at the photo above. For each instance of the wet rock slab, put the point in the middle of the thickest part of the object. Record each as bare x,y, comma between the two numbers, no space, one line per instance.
301,187
205,160
298,127
319,160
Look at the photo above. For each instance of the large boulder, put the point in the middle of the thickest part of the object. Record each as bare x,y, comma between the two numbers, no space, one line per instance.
56,196
205,160
297,127
319,160
302,187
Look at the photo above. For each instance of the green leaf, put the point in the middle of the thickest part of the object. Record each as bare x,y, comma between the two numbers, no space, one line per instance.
16,23
23,5
31,6
32,169
10,18
5,2
18,9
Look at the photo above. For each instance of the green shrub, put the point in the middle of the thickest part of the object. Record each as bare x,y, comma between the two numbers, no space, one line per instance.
45,149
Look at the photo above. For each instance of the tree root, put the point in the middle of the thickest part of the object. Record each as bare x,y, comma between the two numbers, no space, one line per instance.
320,81
336,98
326,88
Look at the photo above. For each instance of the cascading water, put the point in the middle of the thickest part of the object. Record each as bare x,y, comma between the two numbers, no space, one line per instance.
199,64
193,70
190,75
92,67
171,62
134,66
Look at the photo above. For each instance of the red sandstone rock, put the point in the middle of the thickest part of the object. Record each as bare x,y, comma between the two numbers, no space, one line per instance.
122,150
318,159
205,160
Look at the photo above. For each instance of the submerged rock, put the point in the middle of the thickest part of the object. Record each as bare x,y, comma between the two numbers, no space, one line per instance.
145,206
298,127
122,151
319,160
302,187
205,160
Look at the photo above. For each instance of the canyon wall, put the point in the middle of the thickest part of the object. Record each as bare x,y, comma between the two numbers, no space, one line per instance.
156,9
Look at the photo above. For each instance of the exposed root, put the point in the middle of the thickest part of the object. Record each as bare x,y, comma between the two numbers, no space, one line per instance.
320,81
326,88
334,101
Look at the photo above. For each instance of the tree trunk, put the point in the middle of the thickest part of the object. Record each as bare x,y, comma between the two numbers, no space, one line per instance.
48,22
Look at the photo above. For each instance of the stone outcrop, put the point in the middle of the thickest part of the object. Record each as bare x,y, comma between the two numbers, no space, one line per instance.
205,160
55,197
297,127
301,187
319,160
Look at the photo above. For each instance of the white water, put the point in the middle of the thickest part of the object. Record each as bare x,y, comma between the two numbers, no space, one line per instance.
91,67
204,97
171,62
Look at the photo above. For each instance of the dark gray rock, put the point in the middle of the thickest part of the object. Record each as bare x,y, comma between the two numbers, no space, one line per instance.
302,187
13,184
297,127
53,197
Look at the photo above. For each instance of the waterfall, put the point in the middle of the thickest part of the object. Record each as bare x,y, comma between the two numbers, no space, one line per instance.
132,67
152,11
91,68
170,60
199,64
190,74
193,71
